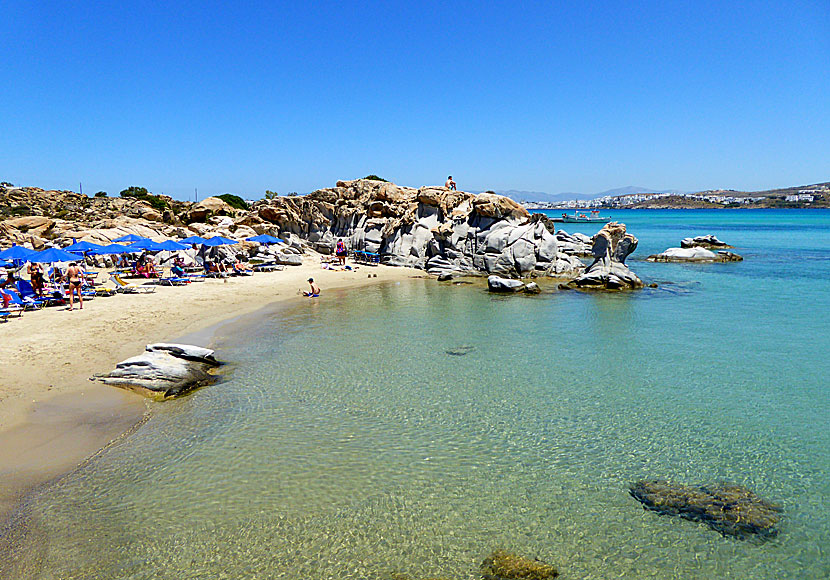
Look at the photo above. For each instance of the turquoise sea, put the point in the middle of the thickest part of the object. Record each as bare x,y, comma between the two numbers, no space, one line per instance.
344,442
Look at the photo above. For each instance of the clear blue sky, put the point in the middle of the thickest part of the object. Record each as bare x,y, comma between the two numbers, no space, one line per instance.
292,96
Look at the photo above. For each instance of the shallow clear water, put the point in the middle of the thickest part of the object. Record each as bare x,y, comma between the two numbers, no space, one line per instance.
346,443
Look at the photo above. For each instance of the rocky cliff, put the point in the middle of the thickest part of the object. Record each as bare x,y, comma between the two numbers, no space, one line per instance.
431,227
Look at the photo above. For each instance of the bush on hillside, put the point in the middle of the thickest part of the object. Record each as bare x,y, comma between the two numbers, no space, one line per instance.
233,200
101,194
135,192
375,178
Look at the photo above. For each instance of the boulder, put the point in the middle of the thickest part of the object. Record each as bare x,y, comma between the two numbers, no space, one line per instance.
532,288
610,247
693,254
288,259
499,284
710,242
732,510
163,371
208,207
504,565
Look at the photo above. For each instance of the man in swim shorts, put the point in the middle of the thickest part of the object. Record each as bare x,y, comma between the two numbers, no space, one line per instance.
314,289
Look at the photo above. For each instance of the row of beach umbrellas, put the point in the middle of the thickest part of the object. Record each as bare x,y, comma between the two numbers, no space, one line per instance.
136,243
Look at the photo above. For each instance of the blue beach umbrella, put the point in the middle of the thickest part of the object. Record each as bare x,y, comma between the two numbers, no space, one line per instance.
218,241
146,245
52,255
131,238
5,264
16,253
82,247
265,239
173,246
192,240
112,249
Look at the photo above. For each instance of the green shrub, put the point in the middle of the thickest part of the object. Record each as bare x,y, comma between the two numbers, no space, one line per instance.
6,184
271,194
135,192
101,194
233,200
375,178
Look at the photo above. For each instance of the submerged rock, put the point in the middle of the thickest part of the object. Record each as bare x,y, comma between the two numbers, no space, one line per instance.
611,246
499,284
695,254
460,350
709,242
163,370
732,510
504,565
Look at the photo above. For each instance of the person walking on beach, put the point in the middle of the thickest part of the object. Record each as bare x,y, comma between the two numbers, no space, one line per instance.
36,277
450,183
341,252
313,289
75,277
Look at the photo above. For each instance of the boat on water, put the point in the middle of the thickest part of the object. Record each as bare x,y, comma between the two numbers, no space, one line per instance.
591,217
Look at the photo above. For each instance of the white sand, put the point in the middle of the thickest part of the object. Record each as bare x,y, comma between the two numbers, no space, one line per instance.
52,416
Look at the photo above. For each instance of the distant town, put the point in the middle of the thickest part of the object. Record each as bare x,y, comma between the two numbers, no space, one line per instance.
817,195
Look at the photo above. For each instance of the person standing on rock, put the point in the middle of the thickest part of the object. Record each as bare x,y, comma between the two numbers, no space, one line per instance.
450,183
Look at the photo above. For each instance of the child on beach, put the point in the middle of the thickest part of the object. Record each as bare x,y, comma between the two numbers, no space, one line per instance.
314,289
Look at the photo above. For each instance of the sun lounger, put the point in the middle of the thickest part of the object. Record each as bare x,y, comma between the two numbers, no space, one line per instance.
268,267
23,303
27,293
122,286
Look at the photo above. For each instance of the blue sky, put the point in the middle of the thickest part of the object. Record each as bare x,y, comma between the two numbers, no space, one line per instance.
551,96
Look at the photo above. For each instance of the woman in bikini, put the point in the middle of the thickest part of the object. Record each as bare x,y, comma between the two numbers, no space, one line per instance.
75,277
36,277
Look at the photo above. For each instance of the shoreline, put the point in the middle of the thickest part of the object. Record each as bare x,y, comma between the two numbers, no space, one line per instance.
53,418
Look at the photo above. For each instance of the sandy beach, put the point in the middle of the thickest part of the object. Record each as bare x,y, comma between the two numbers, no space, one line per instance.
52,417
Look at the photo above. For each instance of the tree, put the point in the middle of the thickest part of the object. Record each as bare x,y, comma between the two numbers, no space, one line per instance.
271,194
233,200
135,191
6,184
374,177
101,194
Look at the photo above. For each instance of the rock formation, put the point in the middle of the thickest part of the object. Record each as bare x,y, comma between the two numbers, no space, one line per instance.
730,509
610,247
433,228
163,370
710,242
504,565
694,254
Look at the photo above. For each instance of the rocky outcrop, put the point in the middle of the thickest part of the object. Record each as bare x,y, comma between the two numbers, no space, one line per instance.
504,565
444,232
163,370
610,247
733,510
710,242
441,231
694,254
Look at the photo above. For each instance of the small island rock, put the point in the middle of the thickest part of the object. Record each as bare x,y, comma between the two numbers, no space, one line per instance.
504,565
499,284
710,242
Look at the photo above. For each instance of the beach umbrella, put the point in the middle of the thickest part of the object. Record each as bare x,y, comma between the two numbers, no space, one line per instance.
112,249
82,247
52,255
146,245
218,241
265,239
5,264
192,240
131,238
173,246
16,253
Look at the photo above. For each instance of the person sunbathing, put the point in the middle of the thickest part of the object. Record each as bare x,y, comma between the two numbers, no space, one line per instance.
9,281
240,268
